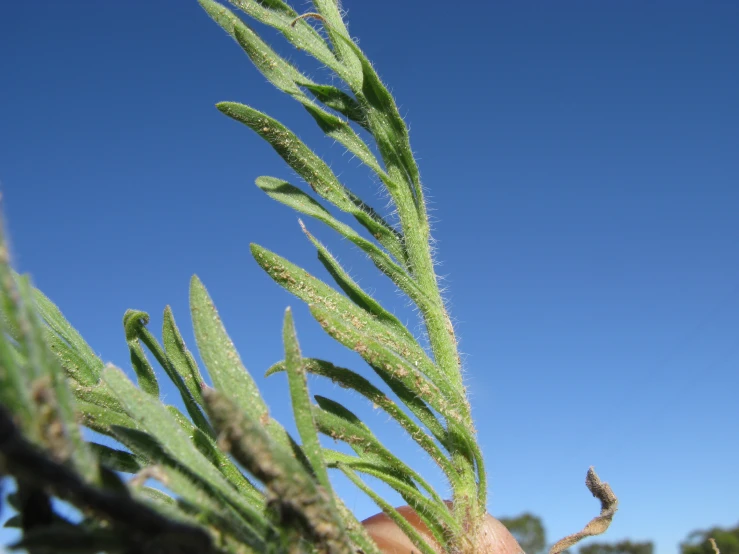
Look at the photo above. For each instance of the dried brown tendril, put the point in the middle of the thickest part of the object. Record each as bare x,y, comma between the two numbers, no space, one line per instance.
599,524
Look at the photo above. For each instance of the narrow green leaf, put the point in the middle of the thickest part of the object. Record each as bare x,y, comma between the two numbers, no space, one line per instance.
278,71
145,446
224,364
434,512
392,513
301,402
314,291
207,446
91,368
54,403
359,296
338,422
117,460
20,369
292,489
289,80
14,381
388,128
100,395
147,379
101,419
219,354
159,460
351,380
341,131
195,501
334,26
154,418
295,198
313,169
182,359
74,364
161,356
155,495
338,100
356,530
282,17
384,361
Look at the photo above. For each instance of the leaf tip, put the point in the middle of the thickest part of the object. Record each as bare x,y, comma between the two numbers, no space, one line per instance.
276,368
196,284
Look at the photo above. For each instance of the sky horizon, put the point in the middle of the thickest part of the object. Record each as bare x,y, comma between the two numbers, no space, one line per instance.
580,160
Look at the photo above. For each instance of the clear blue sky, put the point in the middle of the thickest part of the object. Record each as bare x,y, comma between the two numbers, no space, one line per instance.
583,163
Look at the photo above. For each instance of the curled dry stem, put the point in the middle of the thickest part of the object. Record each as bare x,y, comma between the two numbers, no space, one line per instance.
599,524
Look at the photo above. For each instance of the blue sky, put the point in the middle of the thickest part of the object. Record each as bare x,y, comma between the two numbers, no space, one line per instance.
581,160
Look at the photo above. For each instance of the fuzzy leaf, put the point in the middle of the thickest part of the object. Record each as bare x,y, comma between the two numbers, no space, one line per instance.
301,402
336,421
341,424
101,419
282,17
117,460
433,512
314,291
91,366
351,380
155,348
334,26
385,362
279,72
223,362
219,354
369,304
356,530
74,364
144,446
98,394
415,537
289,80
53,403
154,418
388,128
295,198
338,100
195,501
293,491
207,446
180,356
147,379
14,380
313,169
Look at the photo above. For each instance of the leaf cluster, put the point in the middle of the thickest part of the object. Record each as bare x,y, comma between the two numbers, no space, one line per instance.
220,474
224,466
